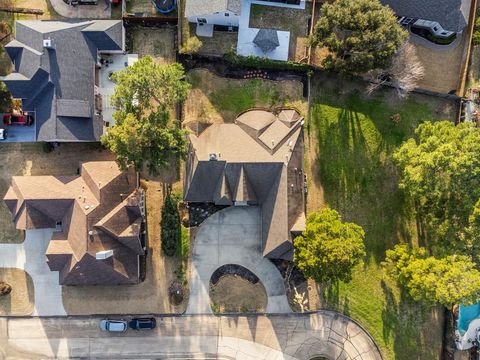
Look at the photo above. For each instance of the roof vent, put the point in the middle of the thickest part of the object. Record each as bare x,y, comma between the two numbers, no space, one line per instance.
213,157
102,255
48,44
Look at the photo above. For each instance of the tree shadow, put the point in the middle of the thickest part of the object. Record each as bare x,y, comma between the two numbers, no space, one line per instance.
355,141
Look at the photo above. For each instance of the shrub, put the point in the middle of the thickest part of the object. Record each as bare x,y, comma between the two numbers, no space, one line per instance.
171,229
263,63
5,288
191,46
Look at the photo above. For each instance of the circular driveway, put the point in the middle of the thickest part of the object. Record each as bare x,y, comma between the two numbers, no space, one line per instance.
232,236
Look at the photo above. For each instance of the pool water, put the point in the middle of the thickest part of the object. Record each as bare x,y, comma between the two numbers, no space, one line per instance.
465,315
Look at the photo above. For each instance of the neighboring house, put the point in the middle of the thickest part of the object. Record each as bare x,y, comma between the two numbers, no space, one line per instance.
98,217
213,12
258,160
451,14
58,69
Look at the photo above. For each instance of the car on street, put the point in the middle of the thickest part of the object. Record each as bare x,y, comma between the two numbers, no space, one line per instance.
143,323
113,325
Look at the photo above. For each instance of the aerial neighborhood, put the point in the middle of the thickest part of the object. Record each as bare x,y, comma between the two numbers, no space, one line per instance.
240,179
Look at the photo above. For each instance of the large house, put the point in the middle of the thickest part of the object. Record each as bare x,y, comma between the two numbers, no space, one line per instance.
98,219
60,69
256,161
452,15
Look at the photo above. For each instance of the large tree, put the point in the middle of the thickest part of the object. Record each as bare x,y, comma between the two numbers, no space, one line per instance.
143,133
447,281
440,170
360,35
328,249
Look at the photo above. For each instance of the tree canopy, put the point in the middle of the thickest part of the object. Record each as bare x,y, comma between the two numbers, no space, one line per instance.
448,281
143,133
440,170
360,35
328,249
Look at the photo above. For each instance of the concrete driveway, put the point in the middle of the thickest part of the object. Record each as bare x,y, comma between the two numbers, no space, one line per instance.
232,236
275,337
30,256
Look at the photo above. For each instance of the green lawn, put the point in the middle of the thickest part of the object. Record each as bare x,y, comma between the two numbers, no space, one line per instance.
355,138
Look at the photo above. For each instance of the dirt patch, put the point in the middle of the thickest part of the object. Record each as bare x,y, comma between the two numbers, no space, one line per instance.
30,159
157,42
216,99
234,294
151,296
20,301
221,43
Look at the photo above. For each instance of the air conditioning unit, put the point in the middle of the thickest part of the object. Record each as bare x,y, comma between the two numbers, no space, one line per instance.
102,255
213,157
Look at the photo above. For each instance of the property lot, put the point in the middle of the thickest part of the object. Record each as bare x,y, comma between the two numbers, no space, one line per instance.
151,296
156,42
349,163
218,99
279,18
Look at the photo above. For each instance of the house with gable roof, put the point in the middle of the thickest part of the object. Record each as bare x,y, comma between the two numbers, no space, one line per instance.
98,217
59,70
256,161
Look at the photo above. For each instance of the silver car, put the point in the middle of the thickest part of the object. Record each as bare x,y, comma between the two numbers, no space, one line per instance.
113,325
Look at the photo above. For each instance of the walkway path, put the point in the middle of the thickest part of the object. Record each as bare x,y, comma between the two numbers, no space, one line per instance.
30,256
232,236
100,11
289,337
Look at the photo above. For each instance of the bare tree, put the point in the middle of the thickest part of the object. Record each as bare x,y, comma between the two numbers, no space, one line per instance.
403,74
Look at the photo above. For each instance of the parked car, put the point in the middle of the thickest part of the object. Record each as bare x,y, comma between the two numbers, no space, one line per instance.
113,325
143,323
18,119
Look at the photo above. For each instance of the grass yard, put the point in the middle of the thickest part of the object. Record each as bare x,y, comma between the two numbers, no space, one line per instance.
20,301
156,42
350,143
217,99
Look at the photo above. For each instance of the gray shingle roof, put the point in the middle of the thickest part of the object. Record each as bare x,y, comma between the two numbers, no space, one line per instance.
266,40
451,14
206,7
58,84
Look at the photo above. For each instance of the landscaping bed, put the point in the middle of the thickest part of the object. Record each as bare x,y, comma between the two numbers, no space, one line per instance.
350,143
235,289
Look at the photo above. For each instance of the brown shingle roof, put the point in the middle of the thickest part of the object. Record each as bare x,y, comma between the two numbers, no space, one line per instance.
101,195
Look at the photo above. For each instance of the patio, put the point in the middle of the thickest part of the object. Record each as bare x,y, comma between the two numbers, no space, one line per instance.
106,87
19,132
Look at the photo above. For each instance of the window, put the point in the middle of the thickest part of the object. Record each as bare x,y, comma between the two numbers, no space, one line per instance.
201,20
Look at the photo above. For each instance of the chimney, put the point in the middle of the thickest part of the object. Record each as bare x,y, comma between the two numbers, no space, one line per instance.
48,44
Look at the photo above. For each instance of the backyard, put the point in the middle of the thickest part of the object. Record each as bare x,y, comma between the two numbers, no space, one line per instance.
156,42
350,142
218,99
279,18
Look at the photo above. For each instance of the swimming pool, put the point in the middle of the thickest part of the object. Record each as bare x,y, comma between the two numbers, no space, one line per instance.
465,315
